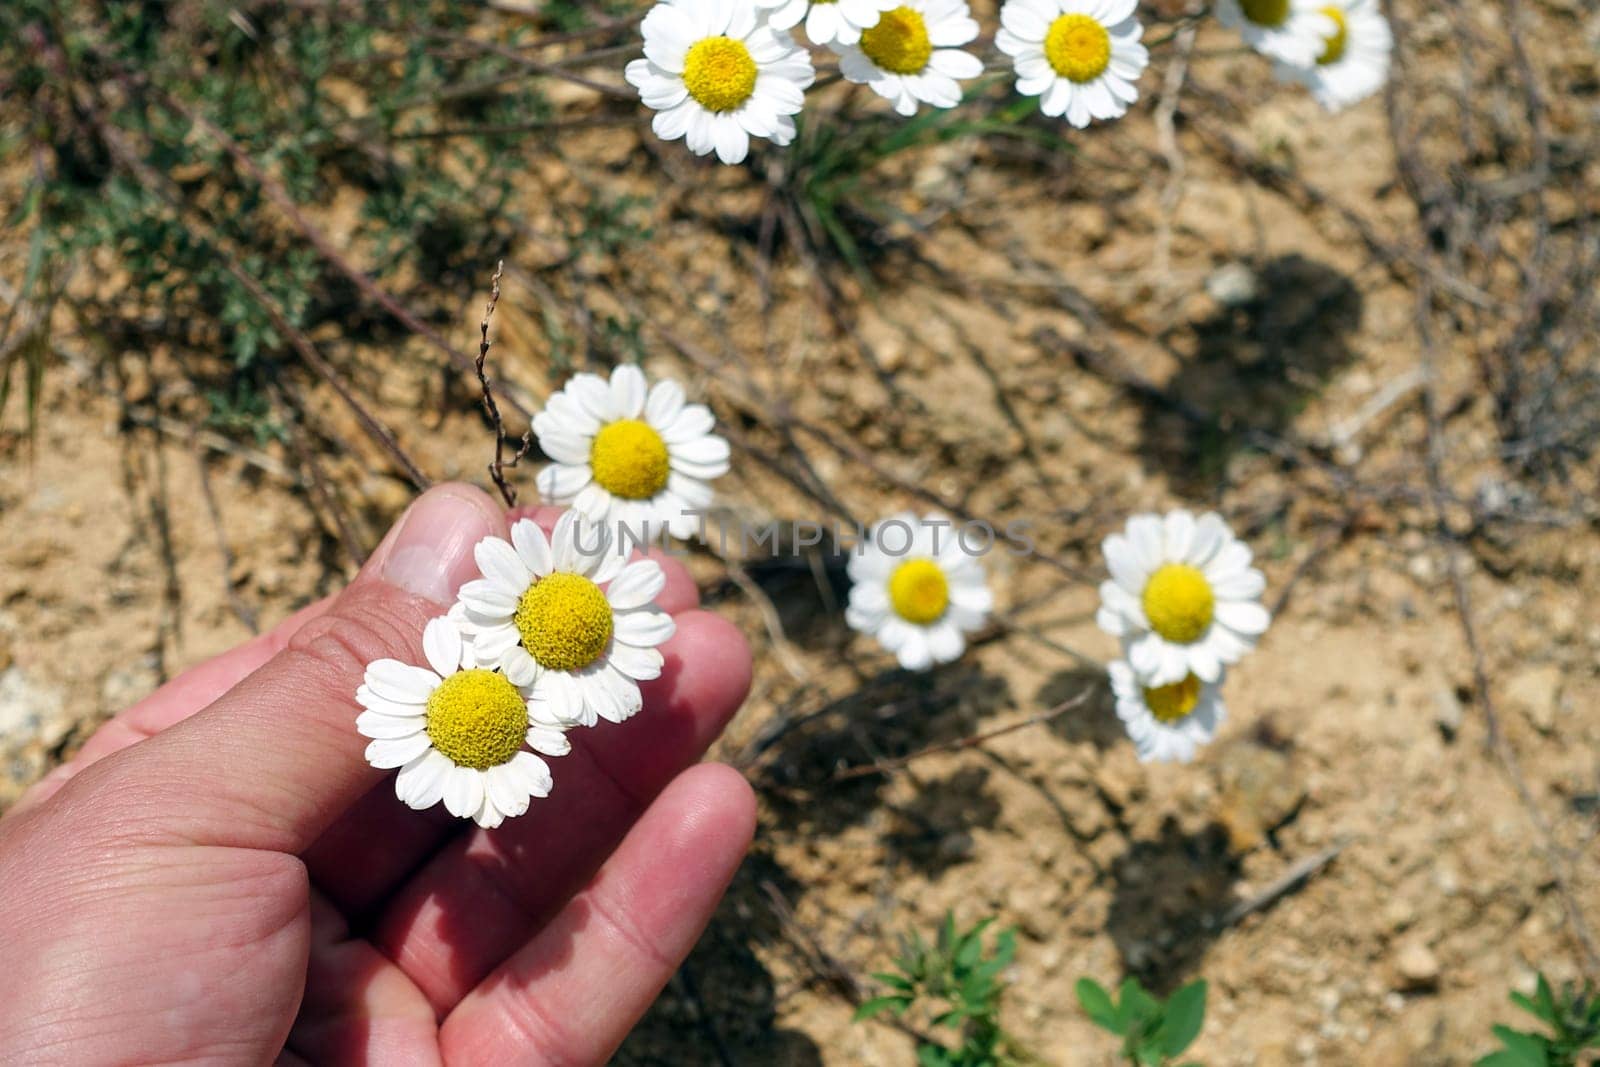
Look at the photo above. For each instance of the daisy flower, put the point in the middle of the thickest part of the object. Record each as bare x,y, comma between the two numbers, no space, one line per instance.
457,731
1182,597
1168,722
1353,60
717,74
919,602
627,458
910,54
827,20
1080,57
1290,31
539,612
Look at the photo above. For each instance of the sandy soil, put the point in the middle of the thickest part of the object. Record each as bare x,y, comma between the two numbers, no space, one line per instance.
1356,740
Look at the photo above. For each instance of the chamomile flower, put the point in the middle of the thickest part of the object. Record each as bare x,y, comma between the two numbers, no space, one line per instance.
1182,597
1080,57
1167,722
911,54
459,732
539,612
1353,61
1289,31
629,458
717,74
921,600
827,21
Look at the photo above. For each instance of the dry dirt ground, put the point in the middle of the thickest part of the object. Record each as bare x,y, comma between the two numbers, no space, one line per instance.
1037,337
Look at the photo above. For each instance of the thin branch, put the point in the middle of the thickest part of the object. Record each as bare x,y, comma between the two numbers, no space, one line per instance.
502,440
889,766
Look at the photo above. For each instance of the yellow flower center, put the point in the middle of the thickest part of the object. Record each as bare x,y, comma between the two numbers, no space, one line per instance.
719,73
1178,602
477,719
1078,48
1171,703
899,42
1265,12
919,592
565,622
629,459
1333,51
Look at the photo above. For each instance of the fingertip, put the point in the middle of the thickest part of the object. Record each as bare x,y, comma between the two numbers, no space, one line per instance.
429,551
726,796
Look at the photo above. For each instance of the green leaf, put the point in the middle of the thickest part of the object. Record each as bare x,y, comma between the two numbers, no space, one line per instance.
1531,1050
896,981
1186,1014
1096,1003
1005,950
1137,1007
1502,1058
879,1005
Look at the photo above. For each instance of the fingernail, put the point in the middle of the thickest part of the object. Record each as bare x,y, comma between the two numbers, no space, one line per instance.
429,551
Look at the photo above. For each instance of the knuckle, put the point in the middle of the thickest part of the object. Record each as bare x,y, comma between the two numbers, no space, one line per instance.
367,624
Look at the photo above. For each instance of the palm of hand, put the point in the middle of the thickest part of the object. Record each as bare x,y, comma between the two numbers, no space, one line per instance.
235,884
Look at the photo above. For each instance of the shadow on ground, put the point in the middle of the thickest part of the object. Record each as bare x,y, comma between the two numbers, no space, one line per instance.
721,1007
1281,332
1166,894
809,761
1094,722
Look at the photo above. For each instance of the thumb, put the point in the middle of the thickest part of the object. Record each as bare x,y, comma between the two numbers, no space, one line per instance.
275,759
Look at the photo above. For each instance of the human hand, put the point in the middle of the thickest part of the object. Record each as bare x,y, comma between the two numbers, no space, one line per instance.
219,876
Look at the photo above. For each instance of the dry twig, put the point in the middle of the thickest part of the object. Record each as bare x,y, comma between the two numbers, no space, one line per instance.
502,440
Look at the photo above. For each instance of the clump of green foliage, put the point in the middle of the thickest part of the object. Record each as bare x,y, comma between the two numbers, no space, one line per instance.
171,144
955,985
1153,1031
1571,1027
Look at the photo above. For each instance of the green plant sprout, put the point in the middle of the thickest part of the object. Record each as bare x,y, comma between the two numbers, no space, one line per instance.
956,984
1573,1020
1154,1032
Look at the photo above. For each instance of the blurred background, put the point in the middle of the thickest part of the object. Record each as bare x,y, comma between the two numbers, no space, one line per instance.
248,247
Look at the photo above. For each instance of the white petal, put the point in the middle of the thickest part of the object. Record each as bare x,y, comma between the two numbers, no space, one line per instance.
548,740
487,598
533,548
393,680
565,448
463,792
637,585
499,562
1124,564
441,645
520,669
1245,617
627,391
420,783
506,790
560,482
534,773
644,629
373,702
945,643
694,421
1178,534
387,753
389,727
914,654
663,404
1147,536
640,664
